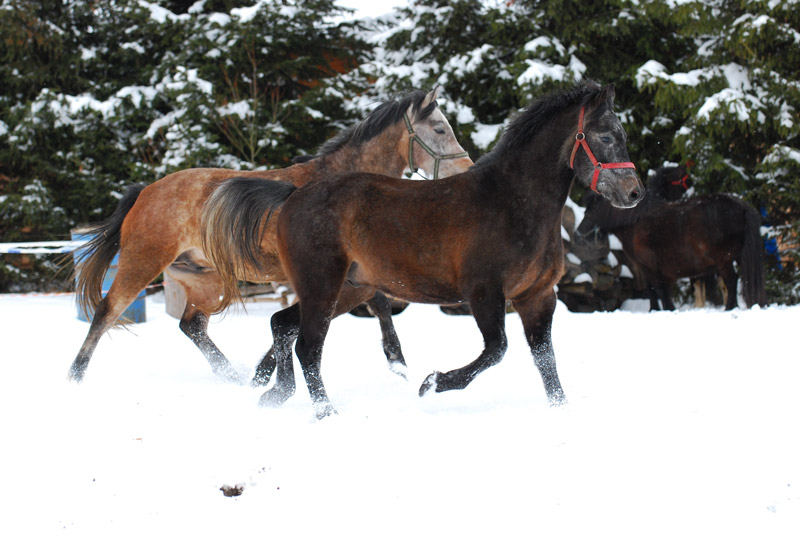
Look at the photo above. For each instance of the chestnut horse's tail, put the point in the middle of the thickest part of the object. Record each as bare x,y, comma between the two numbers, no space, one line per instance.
233,223
752,262
94,257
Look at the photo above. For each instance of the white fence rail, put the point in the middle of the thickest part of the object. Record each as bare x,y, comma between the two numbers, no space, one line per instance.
33,248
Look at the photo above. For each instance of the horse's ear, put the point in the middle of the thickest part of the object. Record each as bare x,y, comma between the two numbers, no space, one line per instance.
430,97
604,98
606,95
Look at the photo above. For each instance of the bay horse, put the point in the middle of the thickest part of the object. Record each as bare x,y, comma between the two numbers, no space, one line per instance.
157,228
483,236
692,238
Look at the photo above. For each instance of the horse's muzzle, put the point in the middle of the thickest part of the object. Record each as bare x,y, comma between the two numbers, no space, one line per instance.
622,190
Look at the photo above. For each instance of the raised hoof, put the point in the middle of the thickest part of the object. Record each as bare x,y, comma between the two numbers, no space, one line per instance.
274,398
260,380
399,368
431,382
228,374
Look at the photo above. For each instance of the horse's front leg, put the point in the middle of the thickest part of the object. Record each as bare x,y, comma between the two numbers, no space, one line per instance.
489,310
536,312
202,287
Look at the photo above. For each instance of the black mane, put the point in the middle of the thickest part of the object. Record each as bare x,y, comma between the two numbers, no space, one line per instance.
382,117
528,121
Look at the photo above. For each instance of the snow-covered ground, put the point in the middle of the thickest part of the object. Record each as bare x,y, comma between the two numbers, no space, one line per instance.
677,423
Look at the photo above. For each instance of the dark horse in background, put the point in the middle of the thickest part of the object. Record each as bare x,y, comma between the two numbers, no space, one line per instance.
692,238
157,228
484,236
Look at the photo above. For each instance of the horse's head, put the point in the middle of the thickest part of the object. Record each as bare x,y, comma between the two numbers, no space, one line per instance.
670,183
431,143
600,155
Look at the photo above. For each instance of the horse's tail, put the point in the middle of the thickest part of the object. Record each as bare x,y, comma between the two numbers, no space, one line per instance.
752,262
234,220
95,257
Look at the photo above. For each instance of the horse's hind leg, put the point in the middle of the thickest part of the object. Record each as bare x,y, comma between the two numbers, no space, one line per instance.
379,306
489,310
537,318
203,288
316,318
105,316
731,280
134,272
286,323
285,327
265,368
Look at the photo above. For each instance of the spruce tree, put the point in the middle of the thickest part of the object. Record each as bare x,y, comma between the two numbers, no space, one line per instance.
98,94
734,101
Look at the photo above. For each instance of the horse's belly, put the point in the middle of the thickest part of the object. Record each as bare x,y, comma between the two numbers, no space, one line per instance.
411,286
422,292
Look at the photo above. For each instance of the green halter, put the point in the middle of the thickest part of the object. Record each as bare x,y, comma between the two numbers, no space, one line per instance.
412,137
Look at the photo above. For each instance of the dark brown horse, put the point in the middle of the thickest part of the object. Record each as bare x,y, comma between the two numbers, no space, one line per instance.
157,228
484,236
692,238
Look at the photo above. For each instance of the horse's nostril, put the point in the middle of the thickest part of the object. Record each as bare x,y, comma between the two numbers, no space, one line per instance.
634,195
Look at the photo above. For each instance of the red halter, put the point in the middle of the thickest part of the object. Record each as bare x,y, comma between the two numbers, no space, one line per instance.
682,182
580,141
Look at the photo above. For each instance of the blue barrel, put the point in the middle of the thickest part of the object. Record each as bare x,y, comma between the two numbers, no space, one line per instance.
136,312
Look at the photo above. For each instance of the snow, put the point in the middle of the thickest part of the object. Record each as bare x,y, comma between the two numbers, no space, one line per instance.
484,135
583,278
538,71
545,42
625,272
653,69
372,8
159,14
677,423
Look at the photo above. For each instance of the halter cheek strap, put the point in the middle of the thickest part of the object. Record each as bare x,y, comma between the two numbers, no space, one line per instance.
413,138
580,141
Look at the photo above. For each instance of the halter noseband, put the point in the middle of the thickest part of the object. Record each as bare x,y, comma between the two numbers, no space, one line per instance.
412,137
580,141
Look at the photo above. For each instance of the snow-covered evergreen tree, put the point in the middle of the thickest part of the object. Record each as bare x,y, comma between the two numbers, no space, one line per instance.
97,94
100,93
734,105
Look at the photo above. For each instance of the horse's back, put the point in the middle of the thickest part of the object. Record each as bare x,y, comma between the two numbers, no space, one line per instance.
419,241
691,237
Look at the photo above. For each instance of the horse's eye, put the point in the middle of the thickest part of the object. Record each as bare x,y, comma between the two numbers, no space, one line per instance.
606,139
439,130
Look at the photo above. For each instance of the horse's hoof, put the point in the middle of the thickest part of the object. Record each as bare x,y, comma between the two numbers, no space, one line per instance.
325,409
260,380
398,368
75,376
431,382
273,398
230,375
557,399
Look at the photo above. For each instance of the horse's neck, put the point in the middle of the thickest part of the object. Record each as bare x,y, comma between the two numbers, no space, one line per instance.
538,184
380,154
